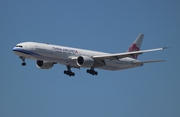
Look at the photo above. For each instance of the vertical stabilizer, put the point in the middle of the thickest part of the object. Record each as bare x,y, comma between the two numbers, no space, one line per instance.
136,45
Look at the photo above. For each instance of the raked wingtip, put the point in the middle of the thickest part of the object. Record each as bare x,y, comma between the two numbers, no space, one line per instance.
165,47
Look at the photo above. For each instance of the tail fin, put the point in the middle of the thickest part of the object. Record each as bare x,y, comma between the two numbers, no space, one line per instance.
136,45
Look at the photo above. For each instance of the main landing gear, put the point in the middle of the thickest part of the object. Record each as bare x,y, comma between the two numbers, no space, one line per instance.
92,71
23,60
69,72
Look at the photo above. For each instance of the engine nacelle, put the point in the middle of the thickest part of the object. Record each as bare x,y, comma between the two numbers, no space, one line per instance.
44,64
85,61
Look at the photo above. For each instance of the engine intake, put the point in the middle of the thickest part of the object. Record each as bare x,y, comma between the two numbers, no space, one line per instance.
85,61
44,64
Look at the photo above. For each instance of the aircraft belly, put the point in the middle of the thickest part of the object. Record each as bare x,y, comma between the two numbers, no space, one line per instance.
56,59
117,65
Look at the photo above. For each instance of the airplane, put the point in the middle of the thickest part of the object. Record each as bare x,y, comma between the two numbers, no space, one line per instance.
46,55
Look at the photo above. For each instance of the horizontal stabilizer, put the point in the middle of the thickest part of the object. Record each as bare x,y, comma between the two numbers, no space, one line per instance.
150,61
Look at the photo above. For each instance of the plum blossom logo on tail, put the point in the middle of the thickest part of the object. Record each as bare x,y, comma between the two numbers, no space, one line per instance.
134,48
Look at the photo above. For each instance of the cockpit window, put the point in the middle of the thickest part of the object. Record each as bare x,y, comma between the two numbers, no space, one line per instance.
19,46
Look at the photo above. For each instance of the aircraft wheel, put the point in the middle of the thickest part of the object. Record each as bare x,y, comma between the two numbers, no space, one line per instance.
69,73
95,73
65,72
73,74
88,71
23,64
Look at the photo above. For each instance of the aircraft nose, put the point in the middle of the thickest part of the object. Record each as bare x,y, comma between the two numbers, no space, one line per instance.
14,49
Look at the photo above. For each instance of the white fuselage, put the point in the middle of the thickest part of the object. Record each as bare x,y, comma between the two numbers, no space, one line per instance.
64,55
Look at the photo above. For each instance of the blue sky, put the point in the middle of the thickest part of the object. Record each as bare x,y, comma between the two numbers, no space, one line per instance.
102,25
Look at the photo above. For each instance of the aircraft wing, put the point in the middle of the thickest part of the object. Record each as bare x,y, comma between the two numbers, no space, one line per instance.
126,54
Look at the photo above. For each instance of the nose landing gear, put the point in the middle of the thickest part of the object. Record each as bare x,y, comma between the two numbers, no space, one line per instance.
23,60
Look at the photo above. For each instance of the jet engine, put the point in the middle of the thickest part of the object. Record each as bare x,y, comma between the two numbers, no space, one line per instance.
44,64
85,61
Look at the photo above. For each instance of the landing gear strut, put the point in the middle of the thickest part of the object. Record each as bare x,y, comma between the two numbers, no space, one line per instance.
69,72
92,71
23,60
